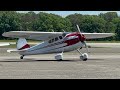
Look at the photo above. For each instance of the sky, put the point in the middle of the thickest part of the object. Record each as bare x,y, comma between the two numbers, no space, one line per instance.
65,13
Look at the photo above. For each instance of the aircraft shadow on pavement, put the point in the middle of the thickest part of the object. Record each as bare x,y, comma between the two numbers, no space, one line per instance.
96,59
33,60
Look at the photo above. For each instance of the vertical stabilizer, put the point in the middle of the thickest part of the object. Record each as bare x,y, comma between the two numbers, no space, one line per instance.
22,44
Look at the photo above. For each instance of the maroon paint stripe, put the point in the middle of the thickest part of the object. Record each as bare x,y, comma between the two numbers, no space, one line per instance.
72,41
25,46
73,34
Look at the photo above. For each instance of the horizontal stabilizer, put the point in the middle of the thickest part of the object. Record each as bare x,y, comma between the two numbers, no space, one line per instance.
15,50
4,44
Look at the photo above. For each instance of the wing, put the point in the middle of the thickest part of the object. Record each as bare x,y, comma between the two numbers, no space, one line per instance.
33,35
97,35
48,35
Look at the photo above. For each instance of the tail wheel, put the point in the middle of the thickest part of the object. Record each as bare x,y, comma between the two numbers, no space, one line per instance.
22,57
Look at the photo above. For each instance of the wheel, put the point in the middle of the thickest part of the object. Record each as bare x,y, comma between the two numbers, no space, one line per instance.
81,48
59,57
22,57
84,57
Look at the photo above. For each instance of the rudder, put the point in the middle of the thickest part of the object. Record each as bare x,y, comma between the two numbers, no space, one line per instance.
22,44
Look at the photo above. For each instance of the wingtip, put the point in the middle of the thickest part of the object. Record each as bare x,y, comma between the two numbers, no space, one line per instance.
4,34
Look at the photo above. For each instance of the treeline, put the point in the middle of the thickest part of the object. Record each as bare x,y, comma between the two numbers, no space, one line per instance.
103,23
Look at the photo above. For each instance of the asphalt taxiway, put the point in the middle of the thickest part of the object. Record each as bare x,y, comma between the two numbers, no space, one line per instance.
103,63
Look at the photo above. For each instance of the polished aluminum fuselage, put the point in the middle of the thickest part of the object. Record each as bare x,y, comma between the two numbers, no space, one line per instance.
69,43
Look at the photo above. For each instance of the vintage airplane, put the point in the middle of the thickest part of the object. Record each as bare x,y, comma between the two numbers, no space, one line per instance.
53,42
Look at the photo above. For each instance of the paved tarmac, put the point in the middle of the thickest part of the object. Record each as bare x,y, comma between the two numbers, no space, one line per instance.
103,63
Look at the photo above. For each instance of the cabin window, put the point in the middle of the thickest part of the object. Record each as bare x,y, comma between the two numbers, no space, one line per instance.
52,40
56,38
60,37
63,34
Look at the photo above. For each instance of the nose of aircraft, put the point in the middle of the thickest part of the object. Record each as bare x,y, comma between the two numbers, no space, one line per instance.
83,40
82,37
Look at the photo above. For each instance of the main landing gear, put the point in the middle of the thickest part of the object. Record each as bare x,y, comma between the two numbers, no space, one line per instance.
59,56
22,57
83,56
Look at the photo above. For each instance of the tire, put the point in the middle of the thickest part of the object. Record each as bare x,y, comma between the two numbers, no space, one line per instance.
85,59
21,57
60,60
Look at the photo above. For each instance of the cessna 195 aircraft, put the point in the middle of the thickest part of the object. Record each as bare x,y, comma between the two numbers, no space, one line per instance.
53,42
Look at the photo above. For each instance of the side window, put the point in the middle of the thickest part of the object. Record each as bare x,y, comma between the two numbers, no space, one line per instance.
49,41
56,38
60,37
63,34
52,40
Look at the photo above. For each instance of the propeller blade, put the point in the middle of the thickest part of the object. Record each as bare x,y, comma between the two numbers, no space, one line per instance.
86,47
78,28
84,41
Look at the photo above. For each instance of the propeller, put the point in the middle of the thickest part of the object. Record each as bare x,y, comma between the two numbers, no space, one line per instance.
84,42
78,28
86,46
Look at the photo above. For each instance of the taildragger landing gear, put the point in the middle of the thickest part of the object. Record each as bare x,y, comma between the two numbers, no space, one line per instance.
22,57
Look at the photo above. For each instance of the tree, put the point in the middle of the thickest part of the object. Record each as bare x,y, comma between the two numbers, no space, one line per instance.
8,22
14,21
109,16
26,20
87,23
75,19
116,21
93,24
110,27
51,22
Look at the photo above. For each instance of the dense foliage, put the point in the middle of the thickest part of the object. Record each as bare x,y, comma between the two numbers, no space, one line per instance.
103,23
